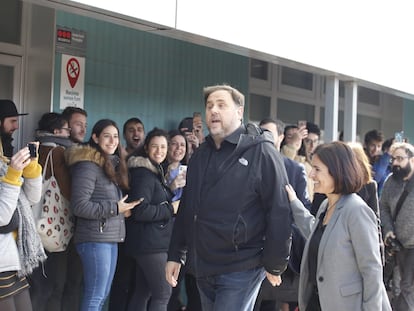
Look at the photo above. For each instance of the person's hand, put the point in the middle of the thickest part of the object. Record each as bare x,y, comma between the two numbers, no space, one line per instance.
175,206
275,280
388,237
124,207
192,139
291,193
178,182
302,132
21,159
172,270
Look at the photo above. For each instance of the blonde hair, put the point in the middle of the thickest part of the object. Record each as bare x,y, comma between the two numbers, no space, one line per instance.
363,161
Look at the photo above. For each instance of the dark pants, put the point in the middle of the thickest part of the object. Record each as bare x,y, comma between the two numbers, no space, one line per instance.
193,294
236,291
47,283
405,261
124,281
152,292
74,280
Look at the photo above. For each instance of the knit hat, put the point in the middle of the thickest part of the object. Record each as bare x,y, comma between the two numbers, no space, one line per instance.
8,109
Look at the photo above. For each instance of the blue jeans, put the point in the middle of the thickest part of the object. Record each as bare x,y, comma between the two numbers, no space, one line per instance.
236,291
99,263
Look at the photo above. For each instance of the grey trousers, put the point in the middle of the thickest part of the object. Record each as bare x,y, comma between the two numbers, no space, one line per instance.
405,261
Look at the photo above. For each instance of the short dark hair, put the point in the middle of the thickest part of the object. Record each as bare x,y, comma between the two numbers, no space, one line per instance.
373,135
70,110
313,128
342,165
280,126
51,121
132,120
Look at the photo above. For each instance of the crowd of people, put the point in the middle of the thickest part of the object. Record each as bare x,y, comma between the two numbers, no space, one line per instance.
259,217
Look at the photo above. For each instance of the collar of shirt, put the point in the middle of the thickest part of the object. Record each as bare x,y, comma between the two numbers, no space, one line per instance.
233,138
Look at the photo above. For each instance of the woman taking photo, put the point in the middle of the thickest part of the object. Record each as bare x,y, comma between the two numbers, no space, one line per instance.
341,265
150,226
99,175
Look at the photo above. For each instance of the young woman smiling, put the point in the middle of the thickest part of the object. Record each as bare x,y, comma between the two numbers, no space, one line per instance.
150,226
99,175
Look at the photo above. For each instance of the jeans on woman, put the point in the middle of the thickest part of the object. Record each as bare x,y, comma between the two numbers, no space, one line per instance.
99,263
152,292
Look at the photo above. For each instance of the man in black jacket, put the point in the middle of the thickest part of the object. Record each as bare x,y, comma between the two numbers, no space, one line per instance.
234,217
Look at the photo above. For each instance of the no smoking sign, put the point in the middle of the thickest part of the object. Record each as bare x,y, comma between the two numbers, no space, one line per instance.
72,81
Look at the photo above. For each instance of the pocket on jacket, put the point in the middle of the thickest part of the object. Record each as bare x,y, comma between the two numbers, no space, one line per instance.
351,289
239,232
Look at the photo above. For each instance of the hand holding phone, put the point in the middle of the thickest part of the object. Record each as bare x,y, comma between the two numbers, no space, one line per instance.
32,149
182,169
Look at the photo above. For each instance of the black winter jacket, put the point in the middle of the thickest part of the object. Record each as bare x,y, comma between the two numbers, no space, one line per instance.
150,226
241,219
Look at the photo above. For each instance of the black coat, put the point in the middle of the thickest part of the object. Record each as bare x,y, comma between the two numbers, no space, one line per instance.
234,214
150,225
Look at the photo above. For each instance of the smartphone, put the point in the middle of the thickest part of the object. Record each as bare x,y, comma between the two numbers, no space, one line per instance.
188,124
302,123
182,169
399,137
32,150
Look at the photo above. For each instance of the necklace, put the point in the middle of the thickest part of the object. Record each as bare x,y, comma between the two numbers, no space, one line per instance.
325,218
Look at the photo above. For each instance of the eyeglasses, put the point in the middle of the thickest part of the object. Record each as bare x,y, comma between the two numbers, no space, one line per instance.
308,141
67,129
398,159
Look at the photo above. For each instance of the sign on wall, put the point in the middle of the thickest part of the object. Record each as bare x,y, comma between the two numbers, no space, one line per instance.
72,81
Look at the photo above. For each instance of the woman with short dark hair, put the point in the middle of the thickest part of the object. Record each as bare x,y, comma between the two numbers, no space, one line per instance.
341,266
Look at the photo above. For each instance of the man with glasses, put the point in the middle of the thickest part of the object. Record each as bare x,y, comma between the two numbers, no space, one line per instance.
397,217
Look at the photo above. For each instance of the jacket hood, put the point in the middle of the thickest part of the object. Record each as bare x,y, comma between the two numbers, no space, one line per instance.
134,162
252,136
81,153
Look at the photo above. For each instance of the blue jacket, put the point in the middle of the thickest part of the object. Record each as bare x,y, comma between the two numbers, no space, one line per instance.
241,218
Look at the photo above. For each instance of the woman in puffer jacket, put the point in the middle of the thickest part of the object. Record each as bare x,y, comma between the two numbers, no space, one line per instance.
99,175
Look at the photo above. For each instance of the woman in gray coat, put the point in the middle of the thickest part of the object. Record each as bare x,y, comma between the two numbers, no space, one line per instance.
341,265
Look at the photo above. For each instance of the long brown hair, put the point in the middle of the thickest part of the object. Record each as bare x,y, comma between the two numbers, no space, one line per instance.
116,173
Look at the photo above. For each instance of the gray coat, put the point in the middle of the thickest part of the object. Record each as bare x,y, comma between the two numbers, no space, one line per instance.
349,270
404,224
94,198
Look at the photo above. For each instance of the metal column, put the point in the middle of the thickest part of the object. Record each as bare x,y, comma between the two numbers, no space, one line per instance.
331,109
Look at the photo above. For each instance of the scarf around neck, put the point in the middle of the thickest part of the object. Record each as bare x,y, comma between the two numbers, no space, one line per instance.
29,245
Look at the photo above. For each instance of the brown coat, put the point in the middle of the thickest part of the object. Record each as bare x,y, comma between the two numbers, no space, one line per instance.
62,174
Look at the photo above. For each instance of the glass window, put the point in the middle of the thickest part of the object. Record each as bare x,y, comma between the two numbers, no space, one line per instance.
259,107
297,78
10,21
259,69
365,124
341,117
368,96
290,112
6,81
